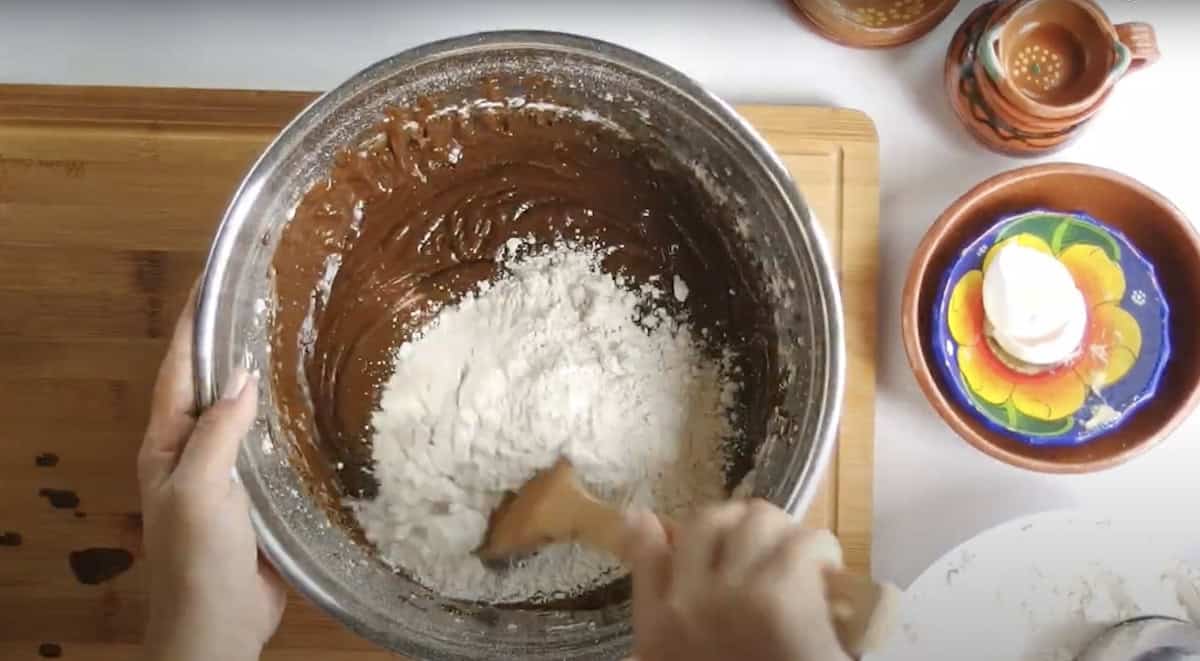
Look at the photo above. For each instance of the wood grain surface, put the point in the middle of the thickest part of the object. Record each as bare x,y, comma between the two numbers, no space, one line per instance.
108,200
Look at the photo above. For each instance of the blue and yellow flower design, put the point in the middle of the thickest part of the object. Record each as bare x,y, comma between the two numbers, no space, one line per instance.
1125,346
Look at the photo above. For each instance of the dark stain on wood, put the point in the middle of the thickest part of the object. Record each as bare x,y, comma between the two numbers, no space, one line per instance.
80,515
96,565
46,460
50,650
62,499
150,270
10,538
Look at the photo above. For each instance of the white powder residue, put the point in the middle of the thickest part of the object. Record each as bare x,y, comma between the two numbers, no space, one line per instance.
470,108
333,263
1186,581
1043,588
1103,415
554,359
454,155
681,289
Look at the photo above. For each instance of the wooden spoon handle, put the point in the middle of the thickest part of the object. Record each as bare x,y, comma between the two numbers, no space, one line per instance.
862,610
600,526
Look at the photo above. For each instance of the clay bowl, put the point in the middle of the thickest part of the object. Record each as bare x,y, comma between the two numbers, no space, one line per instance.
1158,229
1022,119
874,23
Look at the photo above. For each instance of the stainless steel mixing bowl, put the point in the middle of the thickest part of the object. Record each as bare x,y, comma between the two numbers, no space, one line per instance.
652,102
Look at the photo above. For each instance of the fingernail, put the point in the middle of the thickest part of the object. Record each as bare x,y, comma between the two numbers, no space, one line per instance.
237,381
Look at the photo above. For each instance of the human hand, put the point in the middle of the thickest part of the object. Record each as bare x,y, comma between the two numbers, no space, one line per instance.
211,595
742,581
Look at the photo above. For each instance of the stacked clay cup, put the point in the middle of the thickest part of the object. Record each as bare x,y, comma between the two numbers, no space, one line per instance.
1043,68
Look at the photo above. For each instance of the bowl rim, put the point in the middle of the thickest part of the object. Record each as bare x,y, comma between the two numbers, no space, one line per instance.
826,290
868,37
919,356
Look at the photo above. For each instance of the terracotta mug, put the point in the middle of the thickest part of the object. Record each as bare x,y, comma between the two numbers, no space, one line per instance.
1057,59
1019,118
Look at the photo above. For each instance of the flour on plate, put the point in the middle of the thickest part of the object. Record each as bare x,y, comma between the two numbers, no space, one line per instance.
555,358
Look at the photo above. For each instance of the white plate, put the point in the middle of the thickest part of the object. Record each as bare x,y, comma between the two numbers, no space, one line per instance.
1040,588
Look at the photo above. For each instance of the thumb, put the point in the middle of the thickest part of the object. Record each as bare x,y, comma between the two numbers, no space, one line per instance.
648,551
212,449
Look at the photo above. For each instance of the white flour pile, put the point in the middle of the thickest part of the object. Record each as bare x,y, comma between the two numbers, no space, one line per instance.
554,359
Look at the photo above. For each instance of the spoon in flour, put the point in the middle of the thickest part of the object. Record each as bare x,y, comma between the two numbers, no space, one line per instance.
554,507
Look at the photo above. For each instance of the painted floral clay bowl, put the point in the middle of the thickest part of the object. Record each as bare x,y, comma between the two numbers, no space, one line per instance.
874,23
1150,224
1124,350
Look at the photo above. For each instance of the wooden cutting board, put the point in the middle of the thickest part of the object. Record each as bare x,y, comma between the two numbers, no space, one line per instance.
108,200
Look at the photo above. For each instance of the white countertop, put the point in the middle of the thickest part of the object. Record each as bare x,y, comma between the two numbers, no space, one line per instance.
931,489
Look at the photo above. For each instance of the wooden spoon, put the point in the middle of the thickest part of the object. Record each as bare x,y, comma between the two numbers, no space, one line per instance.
554,507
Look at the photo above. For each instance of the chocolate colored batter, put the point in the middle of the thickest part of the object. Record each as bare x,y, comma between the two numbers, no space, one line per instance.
413,217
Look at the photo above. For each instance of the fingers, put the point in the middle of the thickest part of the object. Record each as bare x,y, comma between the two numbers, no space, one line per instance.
650,555
700,546
753,540
272,585
212,450
800,560
173,402
800,548
797,565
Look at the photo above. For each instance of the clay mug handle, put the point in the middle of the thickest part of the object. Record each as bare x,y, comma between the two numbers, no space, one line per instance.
1142,43
986,51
